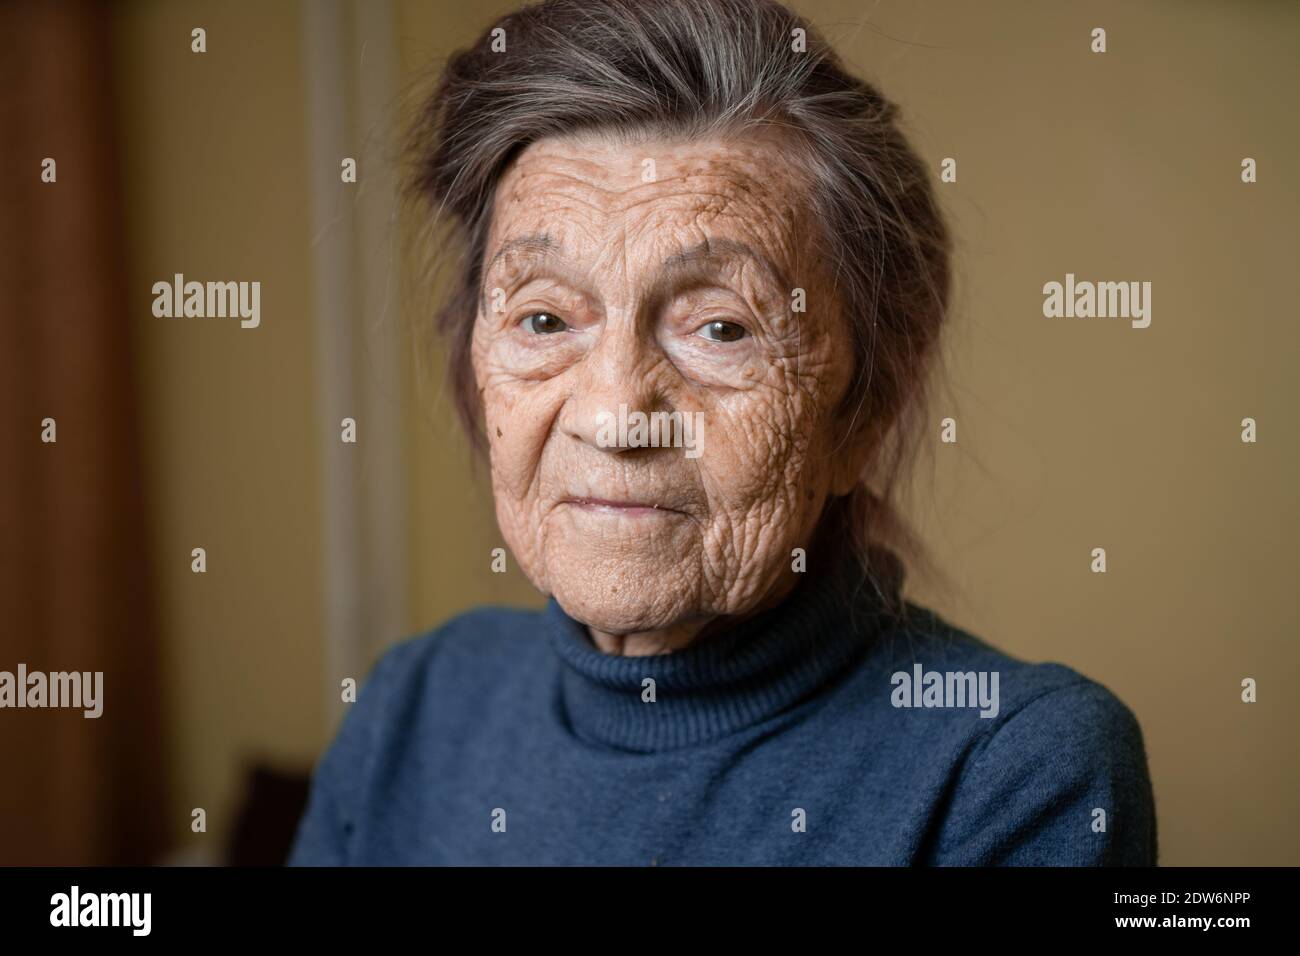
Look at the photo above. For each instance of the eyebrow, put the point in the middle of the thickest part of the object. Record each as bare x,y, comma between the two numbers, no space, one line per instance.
710,250
718,250
538,243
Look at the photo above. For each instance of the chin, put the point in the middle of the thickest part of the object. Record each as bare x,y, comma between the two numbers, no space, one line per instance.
623,595
620,576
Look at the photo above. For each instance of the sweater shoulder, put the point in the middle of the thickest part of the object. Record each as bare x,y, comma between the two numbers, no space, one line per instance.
440,682
451,675
1034,705
1028,784
924,637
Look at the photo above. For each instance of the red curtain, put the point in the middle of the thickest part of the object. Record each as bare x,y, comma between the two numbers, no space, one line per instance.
73,571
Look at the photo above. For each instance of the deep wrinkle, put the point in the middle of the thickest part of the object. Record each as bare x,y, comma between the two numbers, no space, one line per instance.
637,272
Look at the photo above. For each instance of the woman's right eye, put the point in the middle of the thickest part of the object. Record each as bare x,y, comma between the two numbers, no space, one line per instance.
543,323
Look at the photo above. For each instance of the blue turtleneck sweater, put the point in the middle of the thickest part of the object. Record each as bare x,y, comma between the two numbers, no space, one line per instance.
822,732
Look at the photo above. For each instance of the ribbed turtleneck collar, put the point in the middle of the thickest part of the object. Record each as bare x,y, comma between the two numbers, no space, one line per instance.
729,680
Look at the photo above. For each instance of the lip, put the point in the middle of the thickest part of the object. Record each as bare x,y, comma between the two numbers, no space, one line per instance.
631,509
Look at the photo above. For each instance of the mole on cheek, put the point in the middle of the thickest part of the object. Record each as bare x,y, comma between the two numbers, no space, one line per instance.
498,431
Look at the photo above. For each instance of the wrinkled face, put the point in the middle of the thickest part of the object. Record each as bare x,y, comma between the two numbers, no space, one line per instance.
658,396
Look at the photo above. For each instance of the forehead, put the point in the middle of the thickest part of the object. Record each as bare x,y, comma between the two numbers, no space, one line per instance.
594,192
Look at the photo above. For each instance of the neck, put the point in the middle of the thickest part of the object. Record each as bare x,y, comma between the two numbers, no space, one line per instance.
749,671
683,633
644,643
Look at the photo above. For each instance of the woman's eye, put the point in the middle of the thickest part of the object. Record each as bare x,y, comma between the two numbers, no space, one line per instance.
543,323
720,331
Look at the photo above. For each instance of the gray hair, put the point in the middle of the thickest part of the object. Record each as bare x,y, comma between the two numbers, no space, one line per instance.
705,68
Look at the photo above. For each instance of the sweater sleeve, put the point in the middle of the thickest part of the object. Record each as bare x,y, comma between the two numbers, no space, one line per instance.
1062,781
329,820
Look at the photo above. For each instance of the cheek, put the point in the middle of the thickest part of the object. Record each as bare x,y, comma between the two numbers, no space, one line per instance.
517,419
517,416
782,424
517,426
750,450
766,468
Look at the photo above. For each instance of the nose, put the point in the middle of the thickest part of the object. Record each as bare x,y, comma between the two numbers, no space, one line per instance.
622,374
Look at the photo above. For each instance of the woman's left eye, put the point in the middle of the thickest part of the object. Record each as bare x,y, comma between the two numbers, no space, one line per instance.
543,323
720,331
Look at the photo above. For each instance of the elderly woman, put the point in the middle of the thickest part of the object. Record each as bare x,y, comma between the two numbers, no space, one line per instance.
687,213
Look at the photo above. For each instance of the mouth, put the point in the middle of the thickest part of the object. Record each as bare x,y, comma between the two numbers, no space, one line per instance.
627,509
